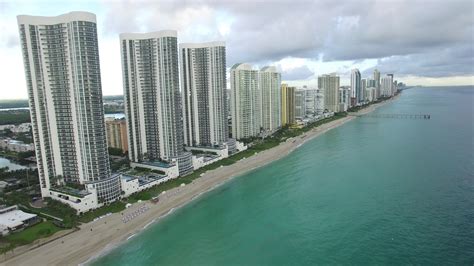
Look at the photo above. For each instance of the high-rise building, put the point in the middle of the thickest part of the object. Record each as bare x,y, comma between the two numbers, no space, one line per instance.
116,133
270,89
245,101
311,102
377,81
203,85
356,86
392,89
300,104
371,83
386,86
363,87
329,84
287,105
62,69
344,98
152,98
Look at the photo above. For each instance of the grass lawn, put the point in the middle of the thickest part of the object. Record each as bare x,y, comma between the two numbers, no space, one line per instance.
114,207
30,234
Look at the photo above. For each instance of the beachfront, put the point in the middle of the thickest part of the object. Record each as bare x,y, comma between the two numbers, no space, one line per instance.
96,237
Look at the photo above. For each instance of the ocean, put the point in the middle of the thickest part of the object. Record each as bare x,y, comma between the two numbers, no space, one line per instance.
373,191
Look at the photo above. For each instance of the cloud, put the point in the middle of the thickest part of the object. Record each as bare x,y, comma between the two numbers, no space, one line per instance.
298,73
447,62
257,31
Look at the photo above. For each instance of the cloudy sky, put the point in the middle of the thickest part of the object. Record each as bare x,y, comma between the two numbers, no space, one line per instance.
427,42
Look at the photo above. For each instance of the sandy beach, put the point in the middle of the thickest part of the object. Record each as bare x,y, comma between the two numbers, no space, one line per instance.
95,238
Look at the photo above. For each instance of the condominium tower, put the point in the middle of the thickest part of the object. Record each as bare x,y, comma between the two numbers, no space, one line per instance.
116,133
61,59
270,89
203,85
152,97
287,105
329,84
386,86
245,101
377,81
356,86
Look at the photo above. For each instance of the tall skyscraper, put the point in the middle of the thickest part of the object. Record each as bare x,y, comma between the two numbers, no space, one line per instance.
152,98
392,89
203,83
62,69
386,86
356,86
377,81
270,88
300,104
287,105
363,87
245,101
329,84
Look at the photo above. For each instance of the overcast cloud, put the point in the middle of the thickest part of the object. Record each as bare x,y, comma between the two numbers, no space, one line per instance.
429,38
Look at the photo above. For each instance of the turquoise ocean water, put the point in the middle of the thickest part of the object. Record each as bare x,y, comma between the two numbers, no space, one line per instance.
374,191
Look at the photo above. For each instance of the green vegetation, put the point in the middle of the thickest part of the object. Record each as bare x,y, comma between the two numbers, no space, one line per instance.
112,97
14,117
114,207
116,165
109,109
13,103
115,151
29,235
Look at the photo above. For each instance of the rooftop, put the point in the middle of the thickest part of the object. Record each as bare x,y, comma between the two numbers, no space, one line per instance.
14,218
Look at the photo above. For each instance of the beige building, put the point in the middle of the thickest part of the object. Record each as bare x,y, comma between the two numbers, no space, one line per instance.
117,133
329,84
287,105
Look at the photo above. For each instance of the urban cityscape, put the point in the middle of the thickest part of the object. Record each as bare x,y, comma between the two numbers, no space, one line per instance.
83,172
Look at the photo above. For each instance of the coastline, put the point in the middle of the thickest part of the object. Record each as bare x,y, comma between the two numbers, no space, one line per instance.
99,237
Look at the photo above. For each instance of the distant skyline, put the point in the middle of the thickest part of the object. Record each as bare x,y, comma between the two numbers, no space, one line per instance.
423,42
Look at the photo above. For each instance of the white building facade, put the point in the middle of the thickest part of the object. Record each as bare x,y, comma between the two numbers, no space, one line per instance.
329,84
203,85
152,98
62,70
270,89
245,101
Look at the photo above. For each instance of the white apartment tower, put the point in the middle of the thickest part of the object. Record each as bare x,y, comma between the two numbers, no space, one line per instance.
377,82
329,84
270,88
203,85
62,70
356,86
245,101
152,97
386,86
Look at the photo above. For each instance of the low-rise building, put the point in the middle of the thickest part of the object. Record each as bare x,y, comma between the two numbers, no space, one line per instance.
12,219
15,145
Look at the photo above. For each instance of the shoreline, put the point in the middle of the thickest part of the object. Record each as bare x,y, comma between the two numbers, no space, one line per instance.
100,237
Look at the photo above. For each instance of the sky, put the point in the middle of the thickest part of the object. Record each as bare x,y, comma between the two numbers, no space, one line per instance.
423,42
